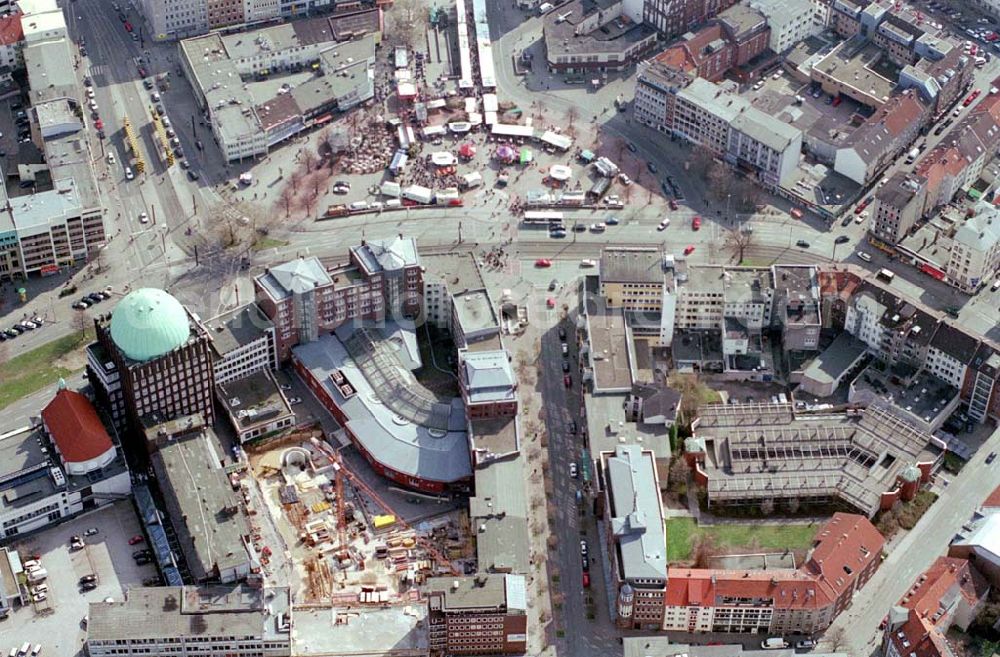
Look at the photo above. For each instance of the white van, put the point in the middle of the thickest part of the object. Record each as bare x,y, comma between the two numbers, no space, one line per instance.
359,205
393,203
774,643
996,285
31,564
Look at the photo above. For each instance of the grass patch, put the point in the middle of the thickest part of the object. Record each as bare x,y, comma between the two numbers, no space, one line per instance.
756,262
683,533
268,243
32,371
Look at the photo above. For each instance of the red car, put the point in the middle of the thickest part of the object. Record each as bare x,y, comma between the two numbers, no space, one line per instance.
142,72
99,124
456,202
696,223
568,382
586,580
542,262
135,540
861,207
688,250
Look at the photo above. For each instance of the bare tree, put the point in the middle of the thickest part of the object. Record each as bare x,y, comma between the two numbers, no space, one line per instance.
701,161
793,505
767,506
407,21
81,323
309,159
287,198
572,114
677,476
837,638
737,241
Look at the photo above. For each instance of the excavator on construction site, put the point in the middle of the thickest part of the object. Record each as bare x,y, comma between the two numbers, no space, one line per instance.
340,472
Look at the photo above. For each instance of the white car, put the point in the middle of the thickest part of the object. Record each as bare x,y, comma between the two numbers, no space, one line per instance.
860,218
294,400
663,224
128,173
598,227
92,104
90,92
143,218
996,285
38,597
572,470
588,263
111,158
864,256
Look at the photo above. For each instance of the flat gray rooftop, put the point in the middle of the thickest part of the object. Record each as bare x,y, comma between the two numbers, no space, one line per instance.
836,359
254,399
189,611
238,328
499,512
609,348
475,311
203,508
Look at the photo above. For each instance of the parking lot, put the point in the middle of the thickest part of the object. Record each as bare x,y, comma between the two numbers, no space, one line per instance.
57,622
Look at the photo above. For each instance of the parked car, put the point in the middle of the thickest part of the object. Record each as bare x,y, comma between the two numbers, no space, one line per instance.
139,554
88,586
567,381
93,531
573,472
802,244
87,579
135,540
990,457
696,223
841,239
543,262
294,400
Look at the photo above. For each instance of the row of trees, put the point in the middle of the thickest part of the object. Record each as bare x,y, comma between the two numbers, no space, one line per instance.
741,194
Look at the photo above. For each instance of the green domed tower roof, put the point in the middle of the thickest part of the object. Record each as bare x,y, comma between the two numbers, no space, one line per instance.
148,323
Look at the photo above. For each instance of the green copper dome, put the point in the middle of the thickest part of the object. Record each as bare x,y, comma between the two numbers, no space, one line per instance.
148,323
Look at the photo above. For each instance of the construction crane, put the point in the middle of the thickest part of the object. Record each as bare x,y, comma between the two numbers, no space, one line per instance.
338,469
357,482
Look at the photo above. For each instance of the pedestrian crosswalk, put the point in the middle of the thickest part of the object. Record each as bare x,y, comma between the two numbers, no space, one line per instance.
97,73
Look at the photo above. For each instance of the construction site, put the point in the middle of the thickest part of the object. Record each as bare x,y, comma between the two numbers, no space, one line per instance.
347,547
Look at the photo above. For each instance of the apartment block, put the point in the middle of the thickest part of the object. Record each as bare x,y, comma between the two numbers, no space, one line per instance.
949,354
982,383
735,37
674,17
897,207
656,88
243,342
796,306
883,137
843,557
303,299
948,594
791,21
480,615
975,249
741,134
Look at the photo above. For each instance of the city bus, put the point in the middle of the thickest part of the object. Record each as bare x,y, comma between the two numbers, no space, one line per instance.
542,218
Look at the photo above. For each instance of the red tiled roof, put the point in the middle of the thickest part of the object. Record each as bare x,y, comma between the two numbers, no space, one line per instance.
923,632
844,547
74,426
11,30
678,57
993,499
846,540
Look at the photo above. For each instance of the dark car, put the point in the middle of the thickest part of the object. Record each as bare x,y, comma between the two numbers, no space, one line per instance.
651,167
572,427
952,311
95,297
802,244
87,579
140,554
193,175
841,239
159,109
666,188
846,221
990,457
580,228
630,146
553,284
565,366
178,152
147,83
200,146
585,562
88,586
143,561
562,334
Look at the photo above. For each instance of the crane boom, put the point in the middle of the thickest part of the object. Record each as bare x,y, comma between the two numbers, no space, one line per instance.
357,482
